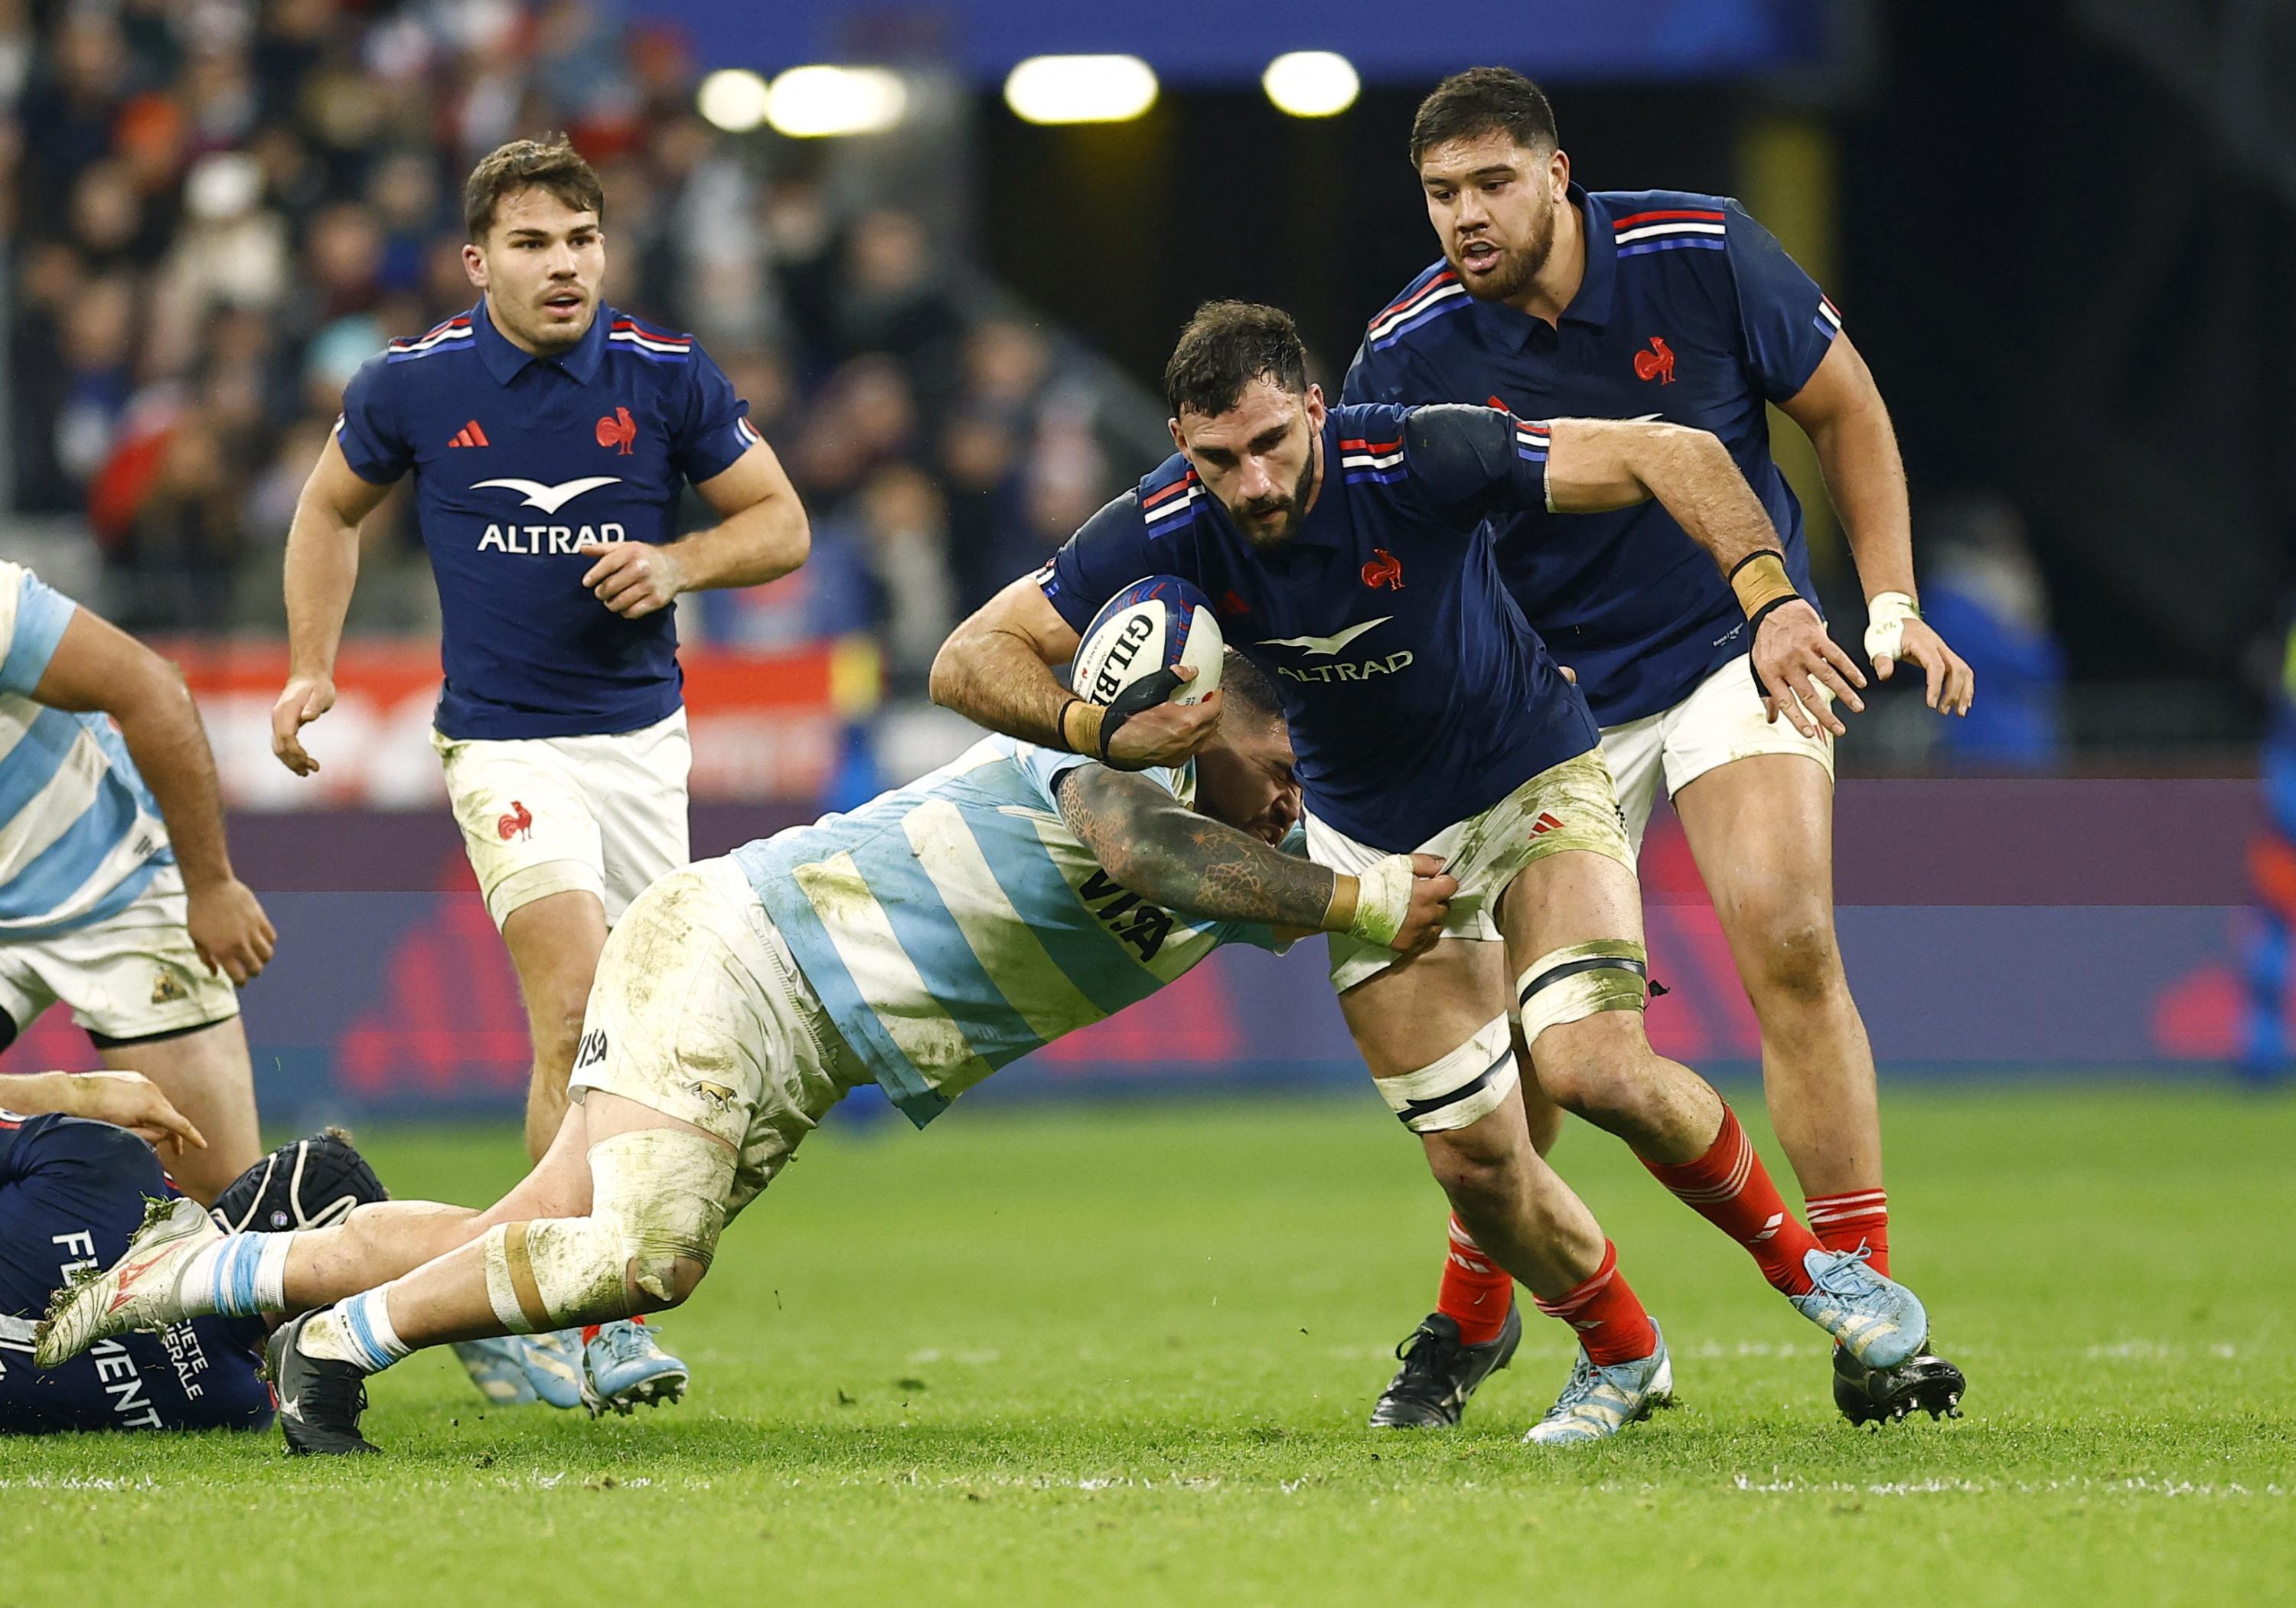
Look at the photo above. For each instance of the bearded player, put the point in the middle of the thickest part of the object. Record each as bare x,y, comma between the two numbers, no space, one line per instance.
551,437
1660,304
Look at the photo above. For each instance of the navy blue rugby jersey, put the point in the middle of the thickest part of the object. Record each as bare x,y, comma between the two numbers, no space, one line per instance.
518,460
1416,694
1690,312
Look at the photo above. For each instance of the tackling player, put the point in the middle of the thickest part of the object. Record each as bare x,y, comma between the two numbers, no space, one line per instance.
550,437
921,942
1660,304
76,1170
117,895
1347,552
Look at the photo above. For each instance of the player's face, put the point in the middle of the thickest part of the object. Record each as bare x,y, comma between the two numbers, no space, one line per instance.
540,266
1493,203
1259,458
1243,777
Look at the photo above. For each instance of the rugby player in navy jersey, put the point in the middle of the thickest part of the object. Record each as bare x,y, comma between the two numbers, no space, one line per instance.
1662,304
1347,553
551,437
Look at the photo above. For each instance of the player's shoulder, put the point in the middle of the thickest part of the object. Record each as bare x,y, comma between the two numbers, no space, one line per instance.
1167,499
1653,223
658,346
1433,295
443,340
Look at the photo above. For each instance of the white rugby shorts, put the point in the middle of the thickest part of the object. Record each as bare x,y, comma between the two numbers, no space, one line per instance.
1721,721
605,815
132,976
700,1012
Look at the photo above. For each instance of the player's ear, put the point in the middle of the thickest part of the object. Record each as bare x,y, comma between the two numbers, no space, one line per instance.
1316,407
474,263
1558,174
1179,442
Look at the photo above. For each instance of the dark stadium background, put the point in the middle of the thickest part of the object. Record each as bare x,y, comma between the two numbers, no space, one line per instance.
2059,231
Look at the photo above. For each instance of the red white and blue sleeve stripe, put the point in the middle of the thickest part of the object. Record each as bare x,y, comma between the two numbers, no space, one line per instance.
1671,229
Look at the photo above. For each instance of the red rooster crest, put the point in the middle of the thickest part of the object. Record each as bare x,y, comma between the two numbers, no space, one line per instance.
1656,363
1385,569
517,823
619,430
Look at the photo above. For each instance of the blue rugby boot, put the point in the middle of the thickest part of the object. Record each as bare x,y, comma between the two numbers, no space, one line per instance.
1597,1403
519,1370
623,1364
1877,1320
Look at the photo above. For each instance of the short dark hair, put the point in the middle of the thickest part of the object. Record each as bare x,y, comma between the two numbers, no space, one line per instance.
551,165
1484,100
1225,348
1248,689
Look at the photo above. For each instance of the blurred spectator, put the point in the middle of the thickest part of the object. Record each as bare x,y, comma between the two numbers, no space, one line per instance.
2272,864
1983,593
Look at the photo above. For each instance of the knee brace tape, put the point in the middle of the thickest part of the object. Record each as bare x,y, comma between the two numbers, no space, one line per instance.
658,1197
1459,1090
1582,980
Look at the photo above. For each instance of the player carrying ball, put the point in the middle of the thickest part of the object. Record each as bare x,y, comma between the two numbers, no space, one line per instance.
1348,550
1660,304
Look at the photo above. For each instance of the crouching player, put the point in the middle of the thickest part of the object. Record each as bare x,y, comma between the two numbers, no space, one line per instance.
919,942
76,1174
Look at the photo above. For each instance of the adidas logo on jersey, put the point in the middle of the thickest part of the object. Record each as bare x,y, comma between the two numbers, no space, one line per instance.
470,435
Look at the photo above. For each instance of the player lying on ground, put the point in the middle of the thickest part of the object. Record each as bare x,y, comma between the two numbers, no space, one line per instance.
550,437
919,942
76,1168
117,895
1665,305
1348,551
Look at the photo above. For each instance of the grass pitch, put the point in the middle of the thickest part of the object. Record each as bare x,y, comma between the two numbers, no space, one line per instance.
1104,1355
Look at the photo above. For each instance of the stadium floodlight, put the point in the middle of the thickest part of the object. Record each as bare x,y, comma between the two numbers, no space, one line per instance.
1080,89
1311,82
821,103
733,99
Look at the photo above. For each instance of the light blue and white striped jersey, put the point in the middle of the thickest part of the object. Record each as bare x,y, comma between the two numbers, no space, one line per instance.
955,924
79,834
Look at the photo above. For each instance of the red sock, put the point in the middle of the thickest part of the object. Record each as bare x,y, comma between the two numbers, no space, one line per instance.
1843,1222
1476,1293
1730,1188
1611,1322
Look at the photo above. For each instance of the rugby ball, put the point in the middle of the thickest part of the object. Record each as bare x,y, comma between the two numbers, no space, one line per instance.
1152,625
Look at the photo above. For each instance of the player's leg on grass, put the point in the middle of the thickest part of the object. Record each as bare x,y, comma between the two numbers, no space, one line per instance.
1573,921
205,1074
659,1190
554,943
1465,1105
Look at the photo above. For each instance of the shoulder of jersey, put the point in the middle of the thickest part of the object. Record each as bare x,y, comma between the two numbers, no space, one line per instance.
1436,293
1171,496
1645,223
634,338
454,335
1370,436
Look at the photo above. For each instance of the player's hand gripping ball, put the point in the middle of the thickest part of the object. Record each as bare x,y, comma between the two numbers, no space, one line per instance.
1135,648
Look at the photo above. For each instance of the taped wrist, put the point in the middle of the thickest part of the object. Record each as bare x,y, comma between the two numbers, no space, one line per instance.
658,1199
1383,900
1144,694
1573,983
1886,614
1461,1089
1760,581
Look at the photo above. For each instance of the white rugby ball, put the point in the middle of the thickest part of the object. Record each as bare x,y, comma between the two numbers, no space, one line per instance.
1154,624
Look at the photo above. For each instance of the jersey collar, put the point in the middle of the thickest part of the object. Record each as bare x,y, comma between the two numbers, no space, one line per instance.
1592,305
506,362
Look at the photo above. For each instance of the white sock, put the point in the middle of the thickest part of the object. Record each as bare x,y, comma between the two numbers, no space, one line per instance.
356,1331
240,1275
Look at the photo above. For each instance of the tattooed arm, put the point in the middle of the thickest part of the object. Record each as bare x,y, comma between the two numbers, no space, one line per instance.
1170,856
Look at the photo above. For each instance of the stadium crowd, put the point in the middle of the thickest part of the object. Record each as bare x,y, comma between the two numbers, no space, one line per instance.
220,208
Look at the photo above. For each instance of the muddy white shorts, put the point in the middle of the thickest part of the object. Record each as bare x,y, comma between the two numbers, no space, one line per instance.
134,975
605,815
700,1012
1568,806
1721,721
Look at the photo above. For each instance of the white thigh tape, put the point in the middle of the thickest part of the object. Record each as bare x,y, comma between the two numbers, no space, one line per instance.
1584,979
1461,1089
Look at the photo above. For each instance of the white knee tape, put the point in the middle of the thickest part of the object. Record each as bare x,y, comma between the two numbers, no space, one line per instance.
658,1198
1459,1090
1582,980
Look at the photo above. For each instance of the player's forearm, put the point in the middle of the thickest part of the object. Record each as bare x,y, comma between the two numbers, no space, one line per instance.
759,544
33,1094
322,553
1865,477
1170,856
160,726
995,677
1693,476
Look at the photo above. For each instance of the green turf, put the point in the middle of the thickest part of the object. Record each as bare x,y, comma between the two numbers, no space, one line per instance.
1123,1355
